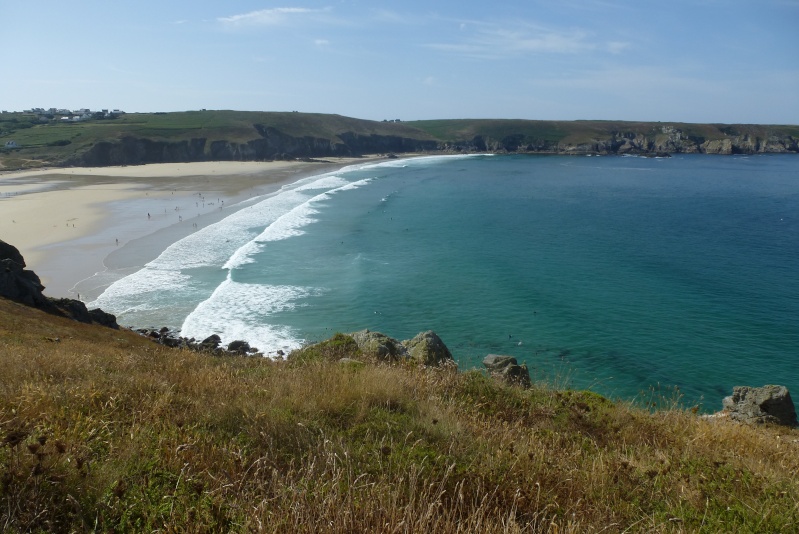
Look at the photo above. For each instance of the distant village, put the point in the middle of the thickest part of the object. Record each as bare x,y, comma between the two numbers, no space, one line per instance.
67,115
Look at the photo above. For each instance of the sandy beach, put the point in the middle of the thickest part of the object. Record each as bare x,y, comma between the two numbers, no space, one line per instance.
71,224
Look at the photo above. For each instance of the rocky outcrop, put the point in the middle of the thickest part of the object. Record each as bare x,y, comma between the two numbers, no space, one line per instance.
24,286
210,345
16,282
379,346
428,349
767,404
425,348
508,370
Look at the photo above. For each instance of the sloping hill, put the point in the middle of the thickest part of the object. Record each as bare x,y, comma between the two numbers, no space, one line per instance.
104,430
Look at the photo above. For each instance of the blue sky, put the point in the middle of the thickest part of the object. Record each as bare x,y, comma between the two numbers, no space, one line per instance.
691,61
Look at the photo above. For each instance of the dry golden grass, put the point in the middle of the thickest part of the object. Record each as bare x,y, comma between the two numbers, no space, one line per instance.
104,431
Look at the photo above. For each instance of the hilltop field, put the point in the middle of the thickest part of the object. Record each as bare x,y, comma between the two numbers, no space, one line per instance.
104,430
28,140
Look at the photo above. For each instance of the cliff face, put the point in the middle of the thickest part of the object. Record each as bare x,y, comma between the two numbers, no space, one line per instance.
269,144
261,142
667,140
133,151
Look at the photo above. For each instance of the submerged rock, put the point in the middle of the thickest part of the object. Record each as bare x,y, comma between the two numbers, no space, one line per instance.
767,404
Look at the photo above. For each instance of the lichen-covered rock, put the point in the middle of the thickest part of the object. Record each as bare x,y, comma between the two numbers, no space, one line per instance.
767,404
428,349
507,369
497,362
379,345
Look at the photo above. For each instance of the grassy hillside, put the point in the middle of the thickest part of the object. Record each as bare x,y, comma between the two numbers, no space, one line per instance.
103,430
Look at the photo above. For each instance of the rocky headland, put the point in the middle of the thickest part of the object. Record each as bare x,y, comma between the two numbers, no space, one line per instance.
142,138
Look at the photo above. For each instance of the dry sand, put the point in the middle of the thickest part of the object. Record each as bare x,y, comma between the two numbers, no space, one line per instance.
66,222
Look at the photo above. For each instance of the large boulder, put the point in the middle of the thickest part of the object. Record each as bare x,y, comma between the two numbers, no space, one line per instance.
18,283
428,349
767,404
379,345
508,370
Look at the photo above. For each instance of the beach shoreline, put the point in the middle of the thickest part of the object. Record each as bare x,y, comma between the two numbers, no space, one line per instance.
72,225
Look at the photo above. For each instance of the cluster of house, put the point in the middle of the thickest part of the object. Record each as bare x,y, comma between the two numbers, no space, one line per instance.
67,115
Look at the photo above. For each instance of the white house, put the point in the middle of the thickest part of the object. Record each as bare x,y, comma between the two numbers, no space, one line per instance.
11,144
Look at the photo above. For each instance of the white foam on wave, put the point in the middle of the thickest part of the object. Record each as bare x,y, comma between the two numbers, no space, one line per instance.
166,286
137,291
325,182
211,246
288,225
242,311
420,161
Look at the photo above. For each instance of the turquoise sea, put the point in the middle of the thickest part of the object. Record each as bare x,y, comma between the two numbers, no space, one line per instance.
614,273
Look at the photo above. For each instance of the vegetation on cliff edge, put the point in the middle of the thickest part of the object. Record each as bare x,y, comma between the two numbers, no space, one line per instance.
103,430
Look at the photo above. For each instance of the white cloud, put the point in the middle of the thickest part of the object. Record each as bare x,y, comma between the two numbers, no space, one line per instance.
616,47
493,41
321,42
385,15
269,17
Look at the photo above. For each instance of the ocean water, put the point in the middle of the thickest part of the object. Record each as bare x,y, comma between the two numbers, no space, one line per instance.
619,274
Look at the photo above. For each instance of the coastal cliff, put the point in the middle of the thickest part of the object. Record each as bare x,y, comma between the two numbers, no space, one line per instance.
135,138
588,137
273,145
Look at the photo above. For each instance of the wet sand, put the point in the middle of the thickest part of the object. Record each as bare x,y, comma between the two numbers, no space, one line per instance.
71,224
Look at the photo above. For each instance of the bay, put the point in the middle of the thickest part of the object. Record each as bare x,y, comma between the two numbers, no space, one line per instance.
619,274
